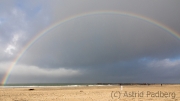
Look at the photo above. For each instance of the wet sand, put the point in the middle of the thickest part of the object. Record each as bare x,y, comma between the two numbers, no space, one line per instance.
93,93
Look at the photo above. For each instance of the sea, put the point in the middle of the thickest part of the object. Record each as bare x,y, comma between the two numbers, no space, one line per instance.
29,85
48,85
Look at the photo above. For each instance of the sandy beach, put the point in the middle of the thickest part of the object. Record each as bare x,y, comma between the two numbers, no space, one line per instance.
93,93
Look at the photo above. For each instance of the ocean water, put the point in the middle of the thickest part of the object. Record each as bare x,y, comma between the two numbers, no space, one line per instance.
48,85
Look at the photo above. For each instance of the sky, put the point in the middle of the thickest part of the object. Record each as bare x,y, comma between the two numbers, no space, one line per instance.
101,47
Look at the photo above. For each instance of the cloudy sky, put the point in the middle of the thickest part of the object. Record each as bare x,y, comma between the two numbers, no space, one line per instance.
89,49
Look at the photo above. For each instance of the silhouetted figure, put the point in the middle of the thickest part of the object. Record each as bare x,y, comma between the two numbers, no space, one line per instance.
161,84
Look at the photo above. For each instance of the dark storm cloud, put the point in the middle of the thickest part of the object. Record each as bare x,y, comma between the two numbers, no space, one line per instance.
96,48
100,39
32,74
164,11
134,71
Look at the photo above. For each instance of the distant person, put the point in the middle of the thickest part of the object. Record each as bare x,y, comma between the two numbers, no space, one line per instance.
161,84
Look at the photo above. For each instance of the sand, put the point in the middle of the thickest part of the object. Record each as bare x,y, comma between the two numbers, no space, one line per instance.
93,93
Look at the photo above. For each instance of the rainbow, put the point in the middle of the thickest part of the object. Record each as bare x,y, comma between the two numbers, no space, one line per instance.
45,31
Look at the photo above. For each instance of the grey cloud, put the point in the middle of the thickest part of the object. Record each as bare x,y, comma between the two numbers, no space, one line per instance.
106,48
162,10
122,72
32,74
16,22
101,39
133,72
